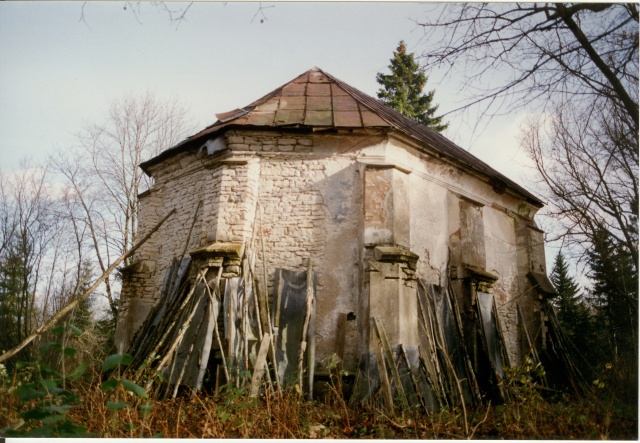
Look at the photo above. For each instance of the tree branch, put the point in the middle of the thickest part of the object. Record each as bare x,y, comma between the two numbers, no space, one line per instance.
62,312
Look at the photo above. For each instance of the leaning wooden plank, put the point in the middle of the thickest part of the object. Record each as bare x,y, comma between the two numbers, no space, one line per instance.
168,309
311,333
489,340
487,331
458,385
265,289
291,318
532,348
261,298
382,372
427,346
278,301
198,334
230,329
72,304
471,375
175,271
213,299
205,338
193,222
184,367
429,325
143,334
174,361
305,325
264,313
438,304
394,370
235,315
246,327
261,365
503,348
168,330
176,342
437,385
257,305
413,379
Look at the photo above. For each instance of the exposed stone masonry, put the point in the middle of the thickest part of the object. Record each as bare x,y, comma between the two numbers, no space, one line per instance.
302,194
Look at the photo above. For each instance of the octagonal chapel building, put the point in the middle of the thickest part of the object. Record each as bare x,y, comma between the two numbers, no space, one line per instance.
355,224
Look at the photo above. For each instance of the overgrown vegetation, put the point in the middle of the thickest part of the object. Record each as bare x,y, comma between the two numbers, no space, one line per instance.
98,400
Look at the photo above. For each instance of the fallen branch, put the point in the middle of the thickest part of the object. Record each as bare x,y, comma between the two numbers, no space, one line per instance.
72,304
475,428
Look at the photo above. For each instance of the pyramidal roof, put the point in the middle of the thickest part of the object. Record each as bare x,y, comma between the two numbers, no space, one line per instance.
316,99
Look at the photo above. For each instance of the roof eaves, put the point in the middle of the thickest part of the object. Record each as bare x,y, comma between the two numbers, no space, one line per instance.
227,118
431,137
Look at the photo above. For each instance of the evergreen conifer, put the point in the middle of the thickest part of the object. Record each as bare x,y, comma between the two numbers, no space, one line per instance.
568,294
615,290
575,317
402,90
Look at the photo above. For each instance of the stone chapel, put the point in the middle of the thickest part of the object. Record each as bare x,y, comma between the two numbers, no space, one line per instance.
319,175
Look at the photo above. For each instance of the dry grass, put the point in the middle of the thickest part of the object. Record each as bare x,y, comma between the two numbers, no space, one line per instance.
231,414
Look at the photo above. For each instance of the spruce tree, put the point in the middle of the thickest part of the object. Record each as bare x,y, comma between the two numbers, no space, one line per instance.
402,90
568,293
615,289
575,317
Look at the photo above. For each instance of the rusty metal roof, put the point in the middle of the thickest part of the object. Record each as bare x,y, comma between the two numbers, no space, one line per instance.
316,99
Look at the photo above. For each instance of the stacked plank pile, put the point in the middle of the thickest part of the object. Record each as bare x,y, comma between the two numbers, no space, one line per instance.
206,329
211,330
439,372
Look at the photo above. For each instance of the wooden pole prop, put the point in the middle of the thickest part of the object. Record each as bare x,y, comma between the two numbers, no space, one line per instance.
72,304
305,325
382,335
215,326
261,363
265,303
413,379
382,370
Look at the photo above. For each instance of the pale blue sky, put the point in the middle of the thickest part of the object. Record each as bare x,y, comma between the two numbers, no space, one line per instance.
57,72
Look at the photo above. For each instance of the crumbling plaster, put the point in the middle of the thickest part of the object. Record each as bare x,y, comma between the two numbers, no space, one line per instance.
303,195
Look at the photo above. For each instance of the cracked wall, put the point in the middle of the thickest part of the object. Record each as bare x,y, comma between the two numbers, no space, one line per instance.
305,195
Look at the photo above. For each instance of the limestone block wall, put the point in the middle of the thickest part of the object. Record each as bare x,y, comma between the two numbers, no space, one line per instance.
309,208
211,184
301,197
236,205
144,280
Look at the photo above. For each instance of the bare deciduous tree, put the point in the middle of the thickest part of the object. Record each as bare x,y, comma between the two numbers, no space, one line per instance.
54,235
514,54
28,231
587,161
103,174
136,129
